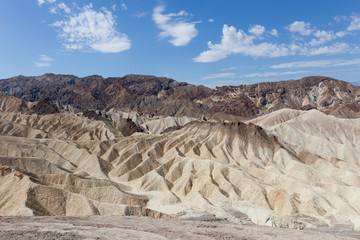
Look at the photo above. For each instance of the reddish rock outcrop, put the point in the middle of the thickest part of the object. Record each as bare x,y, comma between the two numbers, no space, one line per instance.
167,97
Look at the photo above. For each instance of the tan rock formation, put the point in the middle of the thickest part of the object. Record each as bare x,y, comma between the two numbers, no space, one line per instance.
290,169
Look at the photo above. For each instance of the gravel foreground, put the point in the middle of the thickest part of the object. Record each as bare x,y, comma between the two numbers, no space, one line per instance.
117,227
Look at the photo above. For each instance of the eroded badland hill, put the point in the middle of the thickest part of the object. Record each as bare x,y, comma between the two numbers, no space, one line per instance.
284,154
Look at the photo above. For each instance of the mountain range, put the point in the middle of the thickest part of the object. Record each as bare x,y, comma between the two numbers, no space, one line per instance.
167,97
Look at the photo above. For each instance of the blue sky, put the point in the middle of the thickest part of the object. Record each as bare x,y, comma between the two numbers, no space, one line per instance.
212,43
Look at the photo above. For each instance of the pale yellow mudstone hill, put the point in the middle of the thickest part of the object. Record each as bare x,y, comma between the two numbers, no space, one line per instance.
290,168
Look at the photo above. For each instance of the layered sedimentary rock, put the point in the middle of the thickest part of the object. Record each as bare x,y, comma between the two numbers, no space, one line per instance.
290,168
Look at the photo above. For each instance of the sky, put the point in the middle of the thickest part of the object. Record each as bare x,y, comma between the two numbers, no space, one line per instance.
203,42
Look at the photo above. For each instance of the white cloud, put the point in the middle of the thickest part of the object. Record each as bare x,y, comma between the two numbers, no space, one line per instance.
337,19
322,37
123,6
64,7
318,63
274,32
273,74
257,30
179,14
230,68
300,27
347,63
211,20
113,7
239,42
41,2
61,6
43,61
94,30
219,75
177,29
112,45
140,14
336,48
53,10
304,64
341,34
233,42
354,24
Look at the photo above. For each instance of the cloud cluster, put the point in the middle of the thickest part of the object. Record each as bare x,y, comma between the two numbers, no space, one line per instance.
174,26
233,42
306,40
43,61
90,29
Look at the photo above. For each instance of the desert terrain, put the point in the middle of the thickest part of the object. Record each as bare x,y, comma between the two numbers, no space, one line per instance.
134,228
222,164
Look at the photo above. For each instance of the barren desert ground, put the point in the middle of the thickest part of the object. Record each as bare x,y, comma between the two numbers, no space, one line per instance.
131,228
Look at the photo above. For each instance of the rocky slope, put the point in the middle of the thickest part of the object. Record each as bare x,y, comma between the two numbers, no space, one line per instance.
290,168
166,97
